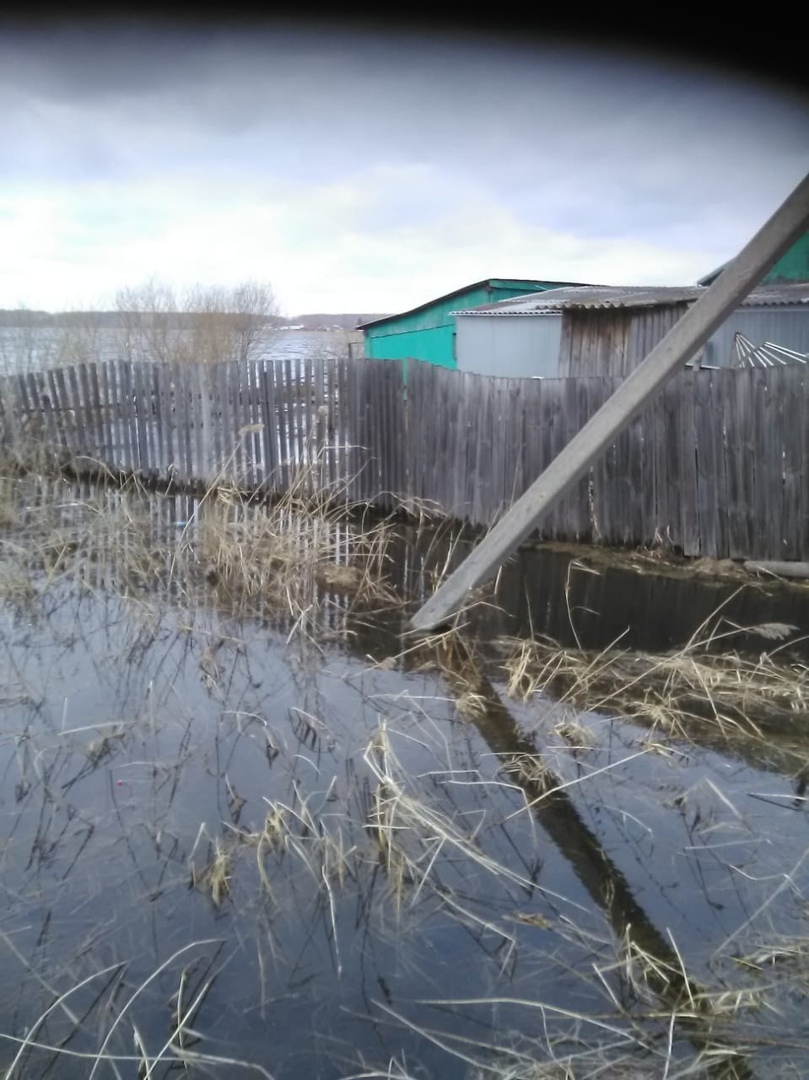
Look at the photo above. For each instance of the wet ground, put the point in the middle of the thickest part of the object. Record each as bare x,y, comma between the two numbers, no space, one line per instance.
340,867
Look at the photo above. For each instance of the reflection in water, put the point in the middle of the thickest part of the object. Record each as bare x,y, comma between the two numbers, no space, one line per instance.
150,727
664,972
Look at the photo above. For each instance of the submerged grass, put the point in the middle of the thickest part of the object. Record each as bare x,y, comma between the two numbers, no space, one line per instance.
737,694
293,556
447,820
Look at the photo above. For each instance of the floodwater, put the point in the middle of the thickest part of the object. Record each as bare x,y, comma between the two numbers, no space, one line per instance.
27,348
416,905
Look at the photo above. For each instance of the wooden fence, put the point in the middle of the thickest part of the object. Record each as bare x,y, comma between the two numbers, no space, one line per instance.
718,465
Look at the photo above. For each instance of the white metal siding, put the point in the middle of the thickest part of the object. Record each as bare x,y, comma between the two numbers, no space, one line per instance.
782,326
518,346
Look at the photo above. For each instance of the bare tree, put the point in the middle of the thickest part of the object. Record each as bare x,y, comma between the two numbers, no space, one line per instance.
149,321
204,324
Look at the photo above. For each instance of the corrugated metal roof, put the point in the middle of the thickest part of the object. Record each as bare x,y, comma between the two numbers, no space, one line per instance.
601,296
792,292
631,296
507,282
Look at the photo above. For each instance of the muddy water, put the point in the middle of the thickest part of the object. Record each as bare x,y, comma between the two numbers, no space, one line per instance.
139,732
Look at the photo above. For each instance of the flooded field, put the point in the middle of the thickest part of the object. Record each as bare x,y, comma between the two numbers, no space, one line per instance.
26,348
250,826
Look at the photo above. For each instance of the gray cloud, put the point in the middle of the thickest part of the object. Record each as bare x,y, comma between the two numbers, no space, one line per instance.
352,139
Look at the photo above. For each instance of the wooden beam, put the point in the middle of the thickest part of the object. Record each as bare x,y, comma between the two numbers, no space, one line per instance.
691,332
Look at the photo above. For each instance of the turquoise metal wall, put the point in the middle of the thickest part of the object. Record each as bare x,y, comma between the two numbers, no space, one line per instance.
428,332
794,266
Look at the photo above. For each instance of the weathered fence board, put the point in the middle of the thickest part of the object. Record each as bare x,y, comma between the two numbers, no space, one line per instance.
708,457
717,465
803,502
682,399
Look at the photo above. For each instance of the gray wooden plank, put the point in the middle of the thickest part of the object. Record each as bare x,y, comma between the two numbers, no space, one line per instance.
370,437
734,450
138,425
720,489
234,446
329,390
294,454
574,503
414,389
256,423
677,491
156,421
497,494
683,387
198,378
101,393
553,444
706,420
305,390
265,403
803,438
364,472
78,417
401,414
431,420
169,419
792,420
514,430
206,392
345,418
533,436
370,396
766,464
144,416
745,455
180,422
385,432
656,448
787,395
88,419
62,410
221,415
101,410
246,423
124,392
483,476
39,412
456,461
134,416
278,372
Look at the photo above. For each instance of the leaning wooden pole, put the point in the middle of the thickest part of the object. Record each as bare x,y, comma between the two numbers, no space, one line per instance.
690,333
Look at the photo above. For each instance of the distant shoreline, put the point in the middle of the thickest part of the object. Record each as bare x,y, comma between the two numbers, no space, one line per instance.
21,318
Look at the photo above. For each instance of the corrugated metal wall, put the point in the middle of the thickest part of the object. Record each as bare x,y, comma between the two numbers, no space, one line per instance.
518,346
782,326
608,341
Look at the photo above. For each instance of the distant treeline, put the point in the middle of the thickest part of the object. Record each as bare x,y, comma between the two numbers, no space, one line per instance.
22,317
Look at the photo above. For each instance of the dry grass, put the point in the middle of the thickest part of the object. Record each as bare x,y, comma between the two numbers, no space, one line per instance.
737,693
414,836
291,553
215,874
175,1053
296,557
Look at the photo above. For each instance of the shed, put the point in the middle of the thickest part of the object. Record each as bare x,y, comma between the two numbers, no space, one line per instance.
609,330
427,332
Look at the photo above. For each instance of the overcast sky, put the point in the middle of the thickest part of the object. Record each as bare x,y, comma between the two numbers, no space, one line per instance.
368,174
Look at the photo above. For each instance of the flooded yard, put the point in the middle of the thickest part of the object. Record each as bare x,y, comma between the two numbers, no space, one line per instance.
250,826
